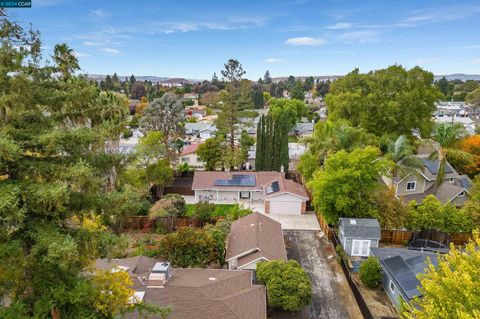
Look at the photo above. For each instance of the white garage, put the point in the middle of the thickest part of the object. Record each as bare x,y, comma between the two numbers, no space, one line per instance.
285,204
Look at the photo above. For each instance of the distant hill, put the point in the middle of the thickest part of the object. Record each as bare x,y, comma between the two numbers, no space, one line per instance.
154,79
321,77
459,76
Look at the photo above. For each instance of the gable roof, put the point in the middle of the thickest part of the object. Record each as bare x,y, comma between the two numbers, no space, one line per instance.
255,236
189,149
198,293
207,180
403,266
367,228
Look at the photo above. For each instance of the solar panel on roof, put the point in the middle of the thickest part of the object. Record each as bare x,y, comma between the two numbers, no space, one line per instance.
465,182
237,180
433,166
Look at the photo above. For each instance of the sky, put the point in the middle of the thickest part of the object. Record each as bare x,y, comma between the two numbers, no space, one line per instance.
193,39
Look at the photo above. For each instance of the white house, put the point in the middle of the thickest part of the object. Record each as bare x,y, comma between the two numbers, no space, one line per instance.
200,130
267,192
189,156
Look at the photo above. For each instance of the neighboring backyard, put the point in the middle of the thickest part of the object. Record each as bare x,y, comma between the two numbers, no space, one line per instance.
219,211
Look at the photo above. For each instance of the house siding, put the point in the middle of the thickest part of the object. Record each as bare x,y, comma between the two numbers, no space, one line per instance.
349,244
419,187
395,297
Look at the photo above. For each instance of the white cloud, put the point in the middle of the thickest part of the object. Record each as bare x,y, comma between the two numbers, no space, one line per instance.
80,54
306,41
221,24
97,13
423,61
476,61
91,44
340,26
110,51
361,36
274,60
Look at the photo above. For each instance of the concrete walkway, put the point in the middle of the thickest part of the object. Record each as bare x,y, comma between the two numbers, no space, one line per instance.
297,222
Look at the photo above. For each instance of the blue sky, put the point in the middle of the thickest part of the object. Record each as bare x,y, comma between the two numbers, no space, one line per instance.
193,39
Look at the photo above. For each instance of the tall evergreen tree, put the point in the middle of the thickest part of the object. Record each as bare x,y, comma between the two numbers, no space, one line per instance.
269,147
266,78
260,147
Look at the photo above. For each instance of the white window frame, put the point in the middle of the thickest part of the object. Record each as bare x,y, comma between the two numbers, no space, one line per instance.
414,186
242,195
361,243
390,285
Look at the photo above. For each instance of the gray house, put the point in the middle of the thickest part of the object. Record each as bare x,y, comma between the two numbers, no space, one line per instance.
358,235
400,268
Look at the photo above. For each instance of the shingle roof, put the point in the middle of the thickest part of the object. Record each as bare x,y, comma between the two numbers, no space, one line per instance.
189,149
255,236
360,228
198,293
403,266
206,180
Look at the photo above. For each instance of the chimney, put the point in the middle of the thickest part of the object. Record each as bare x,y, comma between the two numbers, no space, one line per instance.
161,272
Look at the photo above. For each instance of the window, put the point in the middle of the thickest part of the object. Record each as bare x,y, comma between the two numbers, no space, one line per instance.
392,286
186,159
411,186
244,194
360,247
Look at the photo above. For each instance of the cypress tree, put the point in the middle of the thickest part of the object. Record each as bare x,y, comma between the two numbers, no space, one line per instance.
260,147
268,157
284,156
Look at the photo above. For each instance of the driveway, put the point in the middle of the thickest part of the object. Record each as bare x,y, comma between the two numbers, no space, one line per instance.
307,221
332,297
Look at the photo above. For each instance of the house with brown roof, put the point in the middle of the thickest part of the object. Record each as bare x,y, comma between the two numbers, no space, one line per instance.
266,192
192,293
252,239
421,183
189,156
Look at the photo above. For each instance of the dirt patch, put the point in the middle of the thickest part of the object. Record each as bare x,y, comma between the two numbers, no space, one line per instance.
377,300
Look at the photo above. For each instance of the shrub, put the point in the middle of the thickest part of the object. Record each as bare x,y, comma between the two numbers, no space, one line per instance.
288,285
237,212
371,272
170,205
203,211
219,233
188,247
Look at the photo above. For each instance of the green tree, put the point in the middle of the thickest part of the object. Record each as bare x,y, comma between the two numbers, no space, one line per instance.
442,86
272,143
401,152
473,100
65,60
246,141
211,152
450,290
219,233
446,137
371,272
346,184
391,100
257,97
203,211
260,145
56,171
237,212
297,92
288,285
309,83
267,79
188,247
294,109
164,115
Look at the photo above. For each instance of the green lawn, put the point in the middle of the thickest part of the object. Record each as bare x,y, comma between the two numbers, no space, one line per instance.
220,209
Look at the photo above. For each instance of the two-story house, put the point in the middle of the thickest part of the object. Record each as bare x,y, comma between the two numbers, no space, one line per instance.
419,184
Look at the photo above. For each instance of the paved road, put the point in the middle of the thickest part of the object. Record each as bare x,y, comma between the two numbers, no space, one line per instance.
332,297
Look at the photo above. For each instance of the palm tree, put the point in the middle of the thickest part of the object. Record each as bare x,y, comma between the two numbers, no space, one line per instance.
402,153
446,136
66,60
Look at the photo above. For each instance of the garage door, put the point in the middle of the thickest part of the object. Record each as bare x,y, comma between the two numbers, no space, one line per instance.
285,208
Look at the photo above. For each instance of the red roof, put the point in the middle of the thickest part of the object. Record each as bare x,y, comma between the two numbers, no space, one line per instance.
189,149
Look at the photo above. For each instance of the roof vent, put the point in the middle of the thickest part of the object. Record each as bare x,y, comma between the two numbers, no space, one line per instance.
212,278
353,222
156,280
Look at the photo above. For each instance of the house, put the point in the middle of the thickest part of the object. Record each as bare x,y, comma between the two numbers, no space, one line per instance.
202,131
189,156
267,192
358,235
192,293
254,238
421,183
400,269
466,121
455,112
197,112
302,130
295,151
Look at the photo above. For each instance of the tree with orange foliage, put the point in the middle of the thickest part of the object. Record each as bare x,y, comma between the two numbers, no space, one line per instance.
471,145
140,106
